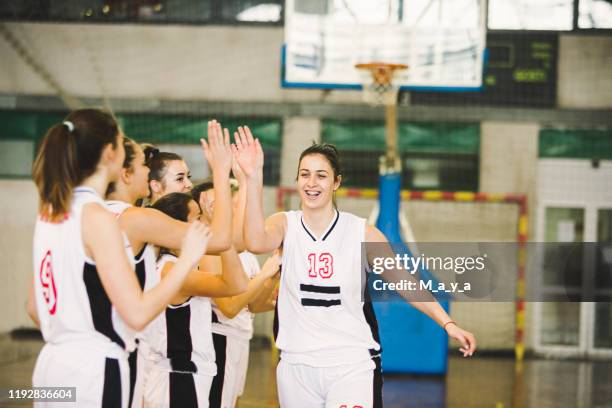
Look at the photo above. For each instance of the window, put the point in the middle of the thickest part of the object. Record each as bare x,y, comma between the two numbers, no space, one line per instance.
435,156
21,131
531,15
594,14
16,158
186,130
146,11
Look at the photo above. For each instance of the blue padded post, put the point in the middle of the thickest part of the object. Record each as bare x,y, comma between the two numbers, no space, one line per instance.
411,341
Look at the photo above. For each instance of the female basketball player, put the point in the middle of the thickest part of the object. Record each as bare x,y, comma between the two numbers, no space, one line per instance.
84,285
327,335
169,173
182,353
233,316
143,225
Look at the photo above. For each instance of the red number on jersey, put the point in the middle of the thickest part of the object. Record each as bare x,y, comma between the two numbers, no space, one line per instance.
326,265
327,269
312,263
47,282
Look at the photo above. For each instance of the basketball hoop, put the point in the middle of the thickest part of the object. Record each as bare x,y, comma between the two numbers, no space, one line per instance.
378,85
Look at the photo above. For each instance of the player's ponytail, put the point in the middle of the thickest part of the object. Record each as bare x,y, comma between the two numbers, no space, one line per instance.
128,163
68,154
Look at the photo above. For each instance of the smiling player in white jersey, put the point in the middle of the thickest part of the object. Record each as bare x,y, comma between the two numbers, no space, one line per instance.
142,227
327,334
182,357
232,325
85,295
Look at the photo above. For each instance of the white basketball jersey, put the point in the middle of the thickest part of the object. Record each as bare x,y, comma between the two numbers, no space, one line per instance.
70,299
320,318
242,324
144,262
180,338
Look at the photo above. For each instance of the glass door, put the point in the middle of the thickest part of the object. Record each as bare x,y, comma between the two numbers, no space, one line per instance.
560,322
577,327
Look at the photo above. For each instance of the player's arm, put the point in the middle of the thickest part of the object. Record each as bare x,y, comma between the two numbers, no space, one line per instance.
31,305
218,154
266,299
426,303
104,243
231,306
218,276
260,235
148,225
238,220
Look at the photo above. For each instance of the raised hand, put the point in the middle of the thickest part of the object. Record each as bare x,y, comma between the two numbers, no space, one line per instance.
238,173
207,209
218,150
248,152
195,242
467,339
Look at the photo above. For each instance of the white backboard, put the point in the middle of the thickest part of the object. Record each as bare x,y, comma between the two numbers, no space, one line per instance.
442,42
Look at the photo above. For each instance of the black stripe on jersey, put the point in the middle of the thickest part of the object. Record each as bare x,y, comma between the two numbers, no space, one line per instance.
328,231
319,289
320,302
182,391
377,384
216,389
141,273
370,316
100,305
141,253
333,225
276,318
133,363
111,393
179,344
306,229
214,317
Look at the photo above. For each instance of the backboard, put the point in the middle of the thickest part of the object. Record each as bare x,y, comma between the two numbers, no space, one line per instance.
442,41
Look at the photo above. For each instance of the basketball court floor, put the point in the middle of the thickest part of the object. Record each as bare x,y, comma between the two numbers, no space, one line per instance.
483,381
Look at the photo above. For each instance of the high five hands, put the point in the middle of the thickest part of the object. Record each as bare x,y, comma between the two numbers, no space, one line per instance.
248,152
245,157
218,150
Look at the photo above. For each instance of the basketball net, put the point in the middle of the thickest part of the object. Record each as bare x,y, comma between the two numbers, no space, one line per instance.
379,88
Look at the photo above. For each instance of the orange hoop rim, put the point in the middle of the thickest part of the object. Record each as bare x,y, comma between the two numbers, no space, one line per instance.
382,72
375,65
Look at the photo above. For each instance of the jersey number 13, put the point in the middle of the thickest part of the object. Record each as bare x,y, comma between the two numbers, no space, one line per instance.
321,265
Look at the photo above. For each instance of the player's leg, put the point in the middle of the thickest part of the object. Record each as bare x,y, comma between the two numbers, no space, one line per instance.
61,366
299,386
156,387
229,353
356,386
242,367
202,383
218,384
137,387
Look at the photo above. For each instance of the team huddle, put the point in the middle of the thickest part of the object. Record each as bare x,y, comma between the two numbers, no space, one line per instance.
151,305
